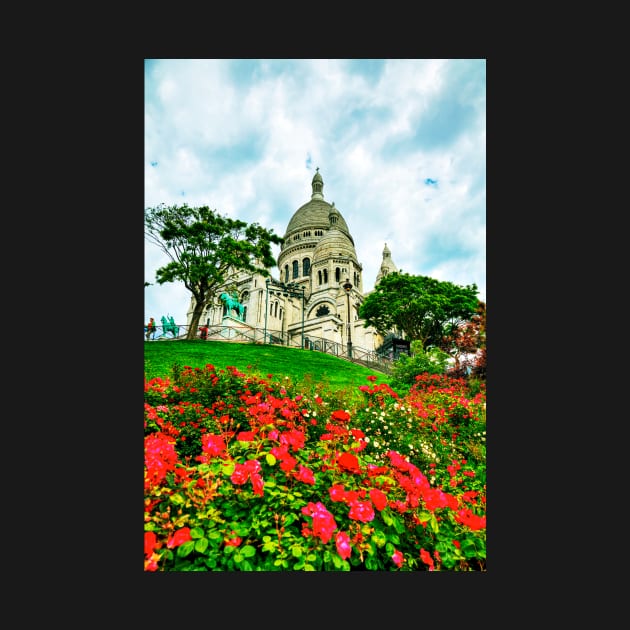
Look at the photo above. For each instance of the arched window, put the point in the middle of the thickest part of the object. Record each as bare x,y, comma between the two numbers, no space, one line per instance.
296,269
286,273
319,277
306,266
325,276
276,310
337,274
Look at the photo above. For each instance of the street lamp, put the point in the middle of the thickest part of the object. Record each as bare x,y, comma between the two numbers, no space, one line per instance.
295,290
348,287
266,308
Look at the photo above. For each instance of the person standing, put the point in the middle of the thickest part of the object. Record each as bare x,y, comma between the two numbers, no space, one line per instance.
151,328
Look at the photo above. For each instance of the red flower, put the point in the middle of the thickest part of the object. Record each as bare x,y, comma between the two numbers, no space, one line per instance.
257,484
305,474
323,521
342,416
378,498
235,541
179,537
468,518
240,474
337,492
425,556
150,540
349,462
213,444
398,558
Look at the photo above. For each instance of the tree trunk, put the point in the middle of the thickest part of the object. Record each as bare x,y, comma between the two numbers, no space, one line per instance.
194,322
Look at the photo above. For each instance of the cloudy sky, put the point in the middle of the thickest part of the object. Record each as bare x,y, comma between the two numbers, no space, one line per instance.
400,145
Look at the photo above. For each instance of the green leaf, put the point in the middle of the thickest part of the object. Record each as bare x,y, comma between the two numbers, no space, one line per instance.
177,499
379,539
371,563
196,532
271,459
246,565
185,549
201,545
296,550
248,551
433,524
228,468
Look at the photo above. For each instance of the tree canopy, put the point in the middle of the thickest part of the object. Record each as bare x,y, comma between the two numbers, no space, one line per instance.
204,247
420,307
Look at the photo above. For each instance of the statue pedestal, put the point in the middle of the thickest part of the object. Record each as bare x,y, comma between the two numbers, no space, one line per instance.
236,329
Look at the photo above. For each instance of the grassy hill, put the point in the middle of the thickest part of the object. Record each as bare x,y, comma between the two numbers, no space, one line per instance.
301,366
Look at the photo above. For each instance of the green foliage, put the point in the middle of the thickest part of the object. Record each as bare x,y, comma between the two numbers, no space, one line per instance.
429,361
203,247
420,307
244,473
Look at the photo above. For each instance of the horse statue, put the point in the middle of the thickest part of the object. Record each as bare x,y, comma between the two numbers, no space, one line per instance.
168,325
232,303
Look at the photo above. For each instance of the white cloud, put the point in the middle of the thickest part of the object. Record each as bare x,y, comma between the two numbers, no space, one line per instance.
237,135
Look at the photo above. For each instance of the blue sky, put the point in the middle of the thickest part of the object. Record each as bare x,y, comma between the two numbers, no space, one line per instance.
400,145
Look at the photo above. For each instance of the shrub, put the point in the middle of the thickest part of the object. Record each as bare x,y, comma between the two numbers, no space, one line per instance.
422,361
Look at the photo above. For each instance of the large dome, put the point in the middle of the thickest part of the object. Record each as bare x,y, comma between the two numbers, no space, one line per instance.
314,214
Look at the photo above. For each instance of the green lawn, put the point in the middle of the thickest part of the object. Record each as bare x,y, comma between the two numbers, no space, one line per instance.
301,366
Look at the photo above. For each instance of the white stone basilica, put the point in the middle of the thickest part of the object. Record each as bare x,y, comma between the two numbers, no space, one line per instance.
314,301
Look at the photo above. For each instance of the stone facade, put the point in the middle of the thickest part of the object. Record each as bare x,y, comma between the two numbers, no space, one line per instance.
316,260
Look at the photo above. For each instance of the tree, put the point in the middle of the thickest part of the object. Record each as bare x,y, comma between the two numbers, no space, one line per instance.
420,307
203,247
466,343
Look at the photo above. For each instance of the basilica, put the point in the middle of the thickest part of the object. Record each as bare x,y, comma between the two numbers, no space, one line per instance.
313,301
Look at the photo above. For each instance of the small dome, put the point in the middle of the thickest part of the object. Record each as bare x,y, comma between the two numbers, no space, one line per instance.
334,244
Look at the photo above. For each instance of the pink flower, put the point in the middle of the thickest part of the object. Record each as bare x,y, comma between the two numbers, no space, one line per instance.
305,474
361,511
342,541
